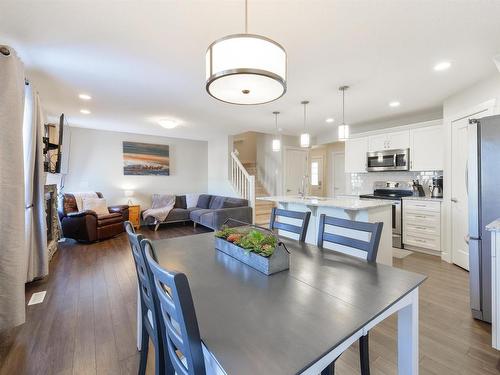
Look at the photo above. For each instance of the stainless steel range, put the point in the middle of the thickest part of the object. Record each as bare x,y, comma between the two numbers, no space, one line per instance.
395,191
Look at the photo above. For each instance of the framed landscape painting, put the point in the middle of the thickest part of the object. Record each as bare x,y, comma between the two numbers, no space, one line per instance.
145,159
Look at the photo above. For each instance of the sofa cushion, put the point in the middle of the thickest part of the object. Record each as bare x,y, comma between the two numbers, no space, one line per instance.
178,214
109,219
180,201
204,201
234,202
196,214
217,202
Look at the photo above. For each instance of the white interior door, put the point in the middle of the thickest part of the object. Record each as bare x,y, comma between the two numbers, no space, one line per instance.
295,169
339,175
316,176
459,202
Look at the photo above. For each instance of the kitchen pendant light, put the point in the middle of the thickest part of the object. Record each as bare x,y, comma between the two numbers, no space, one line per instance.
245,68
276,141
305,138
343,128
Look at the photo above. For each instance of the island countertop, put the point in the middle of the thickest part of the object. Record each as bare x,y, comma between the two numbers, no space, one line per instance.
346,203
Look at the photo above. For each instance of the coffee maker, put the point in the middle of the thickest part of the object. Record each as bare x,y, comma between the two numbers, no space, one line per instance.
437,187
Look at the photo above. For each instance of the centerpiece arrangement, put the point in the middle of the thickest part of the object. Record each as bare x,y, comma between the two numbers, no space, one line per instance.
257,247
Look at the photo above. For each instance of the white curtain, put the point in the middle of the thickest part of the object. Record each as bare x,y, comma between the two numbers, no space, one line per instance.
12,208
34,181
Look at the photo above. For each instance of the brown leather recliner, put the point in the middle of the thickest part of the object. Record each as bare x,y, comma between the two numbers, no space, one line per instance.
87,226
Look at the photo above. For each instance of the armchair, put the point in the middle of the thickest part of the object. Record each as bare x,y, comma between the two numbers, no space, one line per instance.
87,226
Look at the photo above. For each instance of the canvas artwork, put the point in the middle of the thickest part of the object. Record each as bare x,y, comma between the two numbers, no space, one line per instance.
145,159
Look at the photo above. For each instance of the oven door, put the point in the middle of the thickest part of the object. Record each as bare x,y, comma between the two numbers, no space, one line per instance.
389,160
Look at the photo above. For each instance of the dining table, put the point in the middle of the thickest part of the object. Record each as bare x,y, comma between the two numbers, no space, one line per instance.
297,321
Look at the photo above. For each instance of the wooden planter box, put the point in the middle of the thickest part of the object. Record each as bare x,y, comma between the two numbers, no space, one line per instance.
279,261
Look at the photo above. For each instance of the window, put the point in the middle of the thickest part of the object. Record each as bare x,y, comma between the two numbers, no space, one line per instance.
314,173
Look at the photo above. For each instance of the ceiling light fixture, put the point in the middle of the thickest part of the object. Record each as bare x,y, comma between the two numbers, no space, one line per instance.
343,131
444,65
85,111
394,104
84,96
305,138
167,123
276,140
245,68
330,120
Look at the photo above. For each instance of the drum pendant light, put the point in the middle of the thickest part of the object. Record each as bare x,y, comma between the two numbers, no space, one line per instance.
245,68
305,138
343,128
276,141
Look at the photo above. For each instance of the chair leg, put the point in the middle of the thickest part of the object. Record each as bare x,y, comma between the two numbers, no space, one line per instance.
156,226
144,351
330,370
364,356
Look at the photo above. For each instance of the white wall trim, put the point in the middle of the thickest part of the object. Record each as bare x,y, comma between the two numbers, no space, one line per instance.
392,129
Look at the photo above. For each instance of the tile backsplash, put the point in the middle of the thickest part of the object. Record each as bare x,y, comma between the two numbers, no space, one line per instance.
362,183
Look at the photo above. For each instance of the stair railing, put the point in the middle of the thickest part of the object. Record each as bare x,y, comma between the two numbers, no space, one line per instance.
243,183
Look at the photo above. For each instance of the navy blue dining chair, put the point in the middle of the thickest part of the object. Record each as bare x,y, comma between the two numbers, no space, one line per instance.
368,250
300,230
181,335
150,311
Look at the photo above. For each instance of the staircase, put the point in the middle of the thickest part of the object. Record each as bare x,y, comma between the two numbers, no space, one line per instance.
262,208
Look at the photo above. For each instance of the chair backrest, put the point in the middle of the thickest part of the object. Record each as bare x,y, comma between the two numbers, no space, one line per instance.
177,308
370,247
144,278
300,230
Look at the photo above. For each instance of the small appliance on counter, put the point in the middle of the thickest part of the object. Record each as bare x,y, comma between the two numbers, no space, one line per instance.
436,188
418,189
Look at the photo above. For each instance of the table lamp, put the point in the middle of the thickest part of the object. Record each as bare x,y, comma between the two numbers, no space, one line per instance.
128,194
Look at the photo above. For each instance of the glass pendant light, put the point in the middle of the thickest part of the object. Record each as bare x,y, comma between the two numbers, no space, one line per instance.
276,140
343,128
245,68
305,138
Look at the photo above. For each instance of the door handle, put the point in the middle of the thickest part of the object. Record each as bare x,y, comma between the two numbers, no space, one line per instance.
454,200
466,239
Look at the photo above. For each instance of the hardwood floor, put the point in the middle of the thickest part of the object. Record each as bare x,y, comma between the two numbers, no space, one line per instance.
86,324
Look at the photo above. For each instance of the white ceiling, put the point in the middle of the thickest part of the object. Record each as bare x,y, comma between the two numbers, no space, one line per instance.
142,60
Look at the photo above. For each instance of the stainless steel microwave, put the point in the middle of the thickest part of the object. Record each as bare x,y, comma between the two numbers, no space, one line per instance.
388,160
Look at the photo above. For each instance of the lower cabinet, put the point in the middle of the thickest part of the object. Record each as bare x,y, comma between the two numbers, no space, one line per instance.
422,225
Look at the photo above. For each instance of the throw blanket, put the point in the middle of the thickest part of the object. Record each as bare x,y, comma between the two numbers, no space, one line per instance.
80,196
160,208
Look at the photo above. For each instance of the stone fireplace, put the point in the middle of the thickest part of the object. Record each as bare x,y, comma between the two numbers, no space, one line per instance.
53,231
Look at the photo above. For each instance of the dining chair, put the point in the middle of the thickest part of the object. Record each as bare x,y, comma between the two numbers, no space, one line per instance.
181,335
300,230
368,250
150,308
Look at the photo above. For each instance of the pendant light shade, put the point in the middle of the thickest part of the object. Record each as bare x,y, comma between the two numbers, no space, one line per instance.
245,68
305,138
276,141
343,130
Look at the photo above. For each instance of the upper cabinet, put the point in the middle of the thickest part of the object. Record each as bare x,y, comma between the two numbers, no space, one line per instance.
426,148
355,155
389,141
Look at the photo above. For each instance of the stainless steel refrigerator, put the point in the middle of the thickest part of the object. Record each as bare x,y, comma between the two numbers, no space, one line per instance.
483,173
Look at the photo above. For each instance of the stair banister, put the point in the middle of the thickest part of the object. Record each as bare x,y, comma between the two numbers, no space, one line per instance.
242,182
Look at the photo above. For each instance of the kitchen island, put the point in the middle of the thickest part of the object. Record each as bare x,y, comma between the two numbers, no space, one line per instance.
345,208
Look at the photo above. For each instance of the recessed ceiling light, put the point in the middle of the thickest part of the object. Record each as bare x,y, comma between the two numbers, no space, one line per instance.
330,120
167,124
442,66
84,96
394,104
85,111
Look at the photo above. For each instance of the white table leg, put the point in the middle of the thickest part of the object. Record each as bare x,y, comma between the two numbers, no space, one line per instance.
408,337
139,320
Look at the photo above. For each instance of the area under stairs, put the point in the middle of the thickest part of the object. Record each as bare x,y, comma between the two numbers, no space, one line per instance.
262,208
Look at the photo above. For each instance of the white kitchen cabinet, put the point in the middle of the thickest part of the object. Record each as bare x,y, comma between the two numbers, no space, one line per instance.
427,148
422,225
389,141
355,155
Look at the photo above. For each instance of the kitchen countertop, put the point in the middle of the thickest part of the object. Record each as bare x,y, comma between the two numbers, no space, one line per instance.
423,199
345,203
494,226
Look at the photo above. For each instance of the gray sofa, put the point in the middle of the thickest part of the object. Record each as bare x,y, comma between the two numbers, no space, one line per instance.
211,211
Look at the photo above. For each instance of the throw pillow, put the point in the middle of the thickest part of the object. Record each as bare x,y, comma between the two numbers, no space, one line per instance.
204,201
98,205
180,201
192,200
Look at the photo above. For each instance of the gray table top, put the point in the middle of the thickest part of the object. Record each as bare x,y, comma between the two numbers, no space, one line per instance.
284,323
